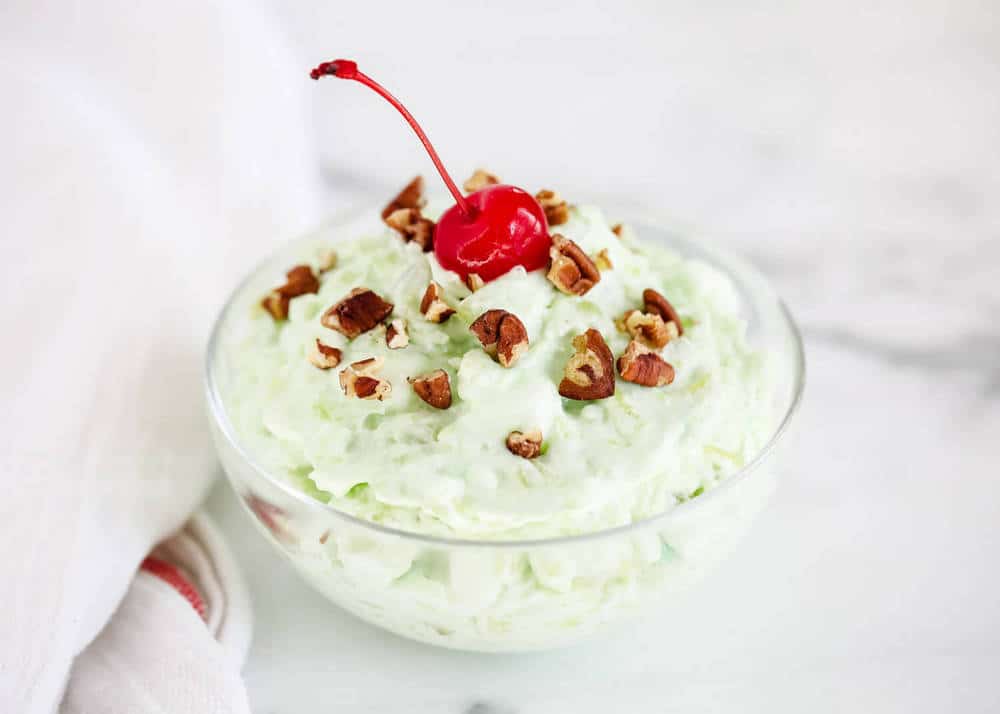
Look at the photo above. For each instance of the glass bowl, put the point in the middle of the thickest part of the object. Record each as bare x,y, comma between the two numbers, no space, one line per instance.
507,595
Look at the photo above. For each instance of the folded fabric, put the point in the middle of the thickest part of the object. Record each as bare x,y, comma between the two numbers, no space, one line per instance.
151,153
178,639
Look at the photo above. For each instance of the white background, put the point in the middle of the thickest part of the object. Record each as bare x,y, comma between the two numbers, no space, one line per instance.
853,151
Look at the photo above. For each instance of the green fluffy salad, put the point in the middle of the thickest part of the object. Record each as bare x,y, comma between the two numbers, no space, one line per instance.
394,407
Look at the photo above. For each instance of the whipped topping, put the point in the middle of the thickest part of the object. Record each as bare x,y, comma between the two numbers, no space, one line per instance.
402,463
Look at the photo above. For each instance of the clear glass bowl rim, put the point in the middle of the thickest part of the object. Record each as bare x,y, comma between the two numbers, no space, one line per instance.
218,412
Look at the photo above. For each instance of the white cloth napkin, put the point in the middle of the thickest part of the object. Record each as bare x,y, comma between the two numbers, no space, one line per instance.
158,655
151,152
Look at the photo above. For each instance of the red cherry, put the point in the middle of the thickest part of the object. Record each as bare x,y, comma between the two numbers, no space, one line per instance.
508,229
487,232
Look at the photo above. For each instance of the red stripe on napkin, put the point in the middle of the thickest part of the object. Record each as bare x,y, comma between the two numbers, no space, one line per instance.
168,573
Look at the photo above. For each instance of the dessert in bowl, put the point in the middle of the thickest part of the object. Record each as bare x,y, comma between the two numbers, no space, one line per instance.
501,429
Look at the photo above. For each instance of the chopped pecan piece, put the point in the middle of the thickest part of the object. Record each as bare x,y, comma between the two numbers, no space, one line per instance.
618,229
480,179
642,366
327,261
396,336
556,210
660,305
359,311
474,282
325,356
590,373
412,226
433,307
433,388
402,214
603,260
649,328
527,446
276,304
412,196
570,269
298,281
502,335
360,380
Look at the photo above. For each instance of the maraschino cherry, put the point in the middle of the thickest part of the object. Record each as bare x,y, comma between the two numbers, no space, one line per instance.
487,232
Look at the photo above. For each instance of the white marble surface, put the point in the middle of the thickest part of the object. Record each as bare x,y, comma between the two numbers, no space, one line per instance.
853,152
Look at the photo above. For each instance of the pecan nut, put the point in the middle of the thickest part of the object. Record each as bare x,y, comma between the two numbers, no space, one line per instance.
412,196
396,336
658,304
413,227
298,281
402,214
359,311
640,365
473,282
649,328
502,335
556,210
360,380
325,356
526,445
432,307
590,372
603,261
433,388
570,269
327,261
479,180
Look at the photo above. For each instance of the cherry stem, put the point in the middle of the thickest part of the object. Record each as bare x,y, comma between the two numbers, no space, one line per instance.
348,69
